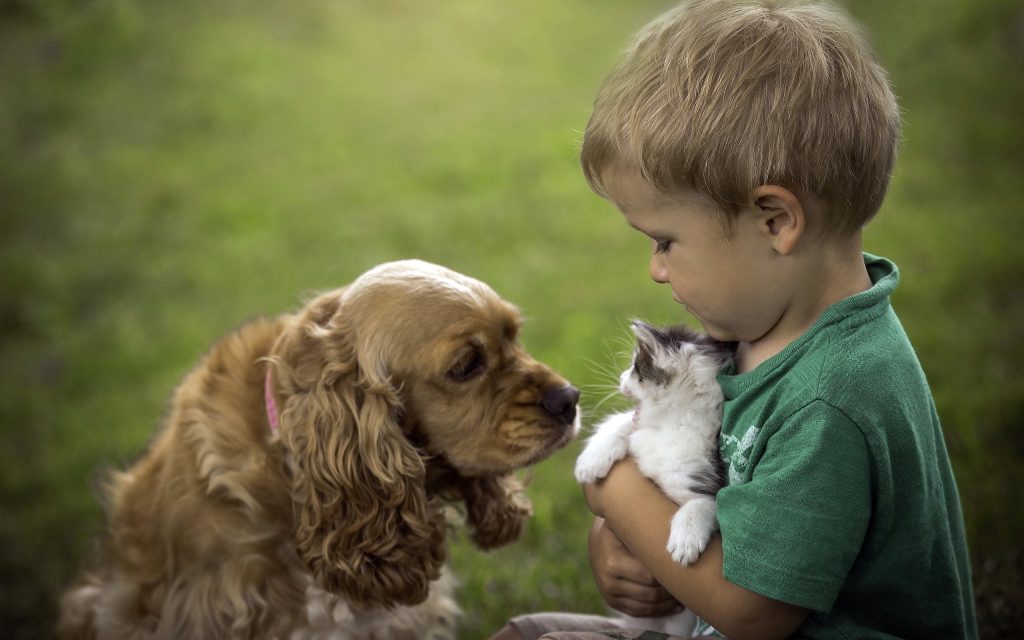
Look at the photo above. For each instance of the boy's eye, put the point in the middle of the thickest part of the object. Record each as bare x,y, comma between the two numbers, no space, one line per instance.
661,246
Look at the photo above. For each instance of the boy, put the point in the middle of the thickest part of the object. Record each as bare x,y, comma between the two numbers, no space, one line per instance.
751,141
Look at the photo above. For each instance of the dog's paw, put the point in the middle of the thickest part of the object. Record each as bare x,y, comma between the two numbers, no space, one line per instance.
691,530
594,464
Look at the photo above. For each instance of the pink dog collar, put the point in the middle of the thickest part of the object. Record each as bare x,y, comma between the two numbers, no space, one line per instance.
268,398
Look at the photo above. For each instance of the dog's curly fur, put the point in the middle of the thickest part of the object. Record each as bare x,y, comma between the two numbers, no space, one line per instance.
398,393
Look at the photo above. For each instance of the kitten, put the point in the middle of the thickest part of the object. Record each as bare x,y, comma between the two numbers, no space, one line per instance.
672,434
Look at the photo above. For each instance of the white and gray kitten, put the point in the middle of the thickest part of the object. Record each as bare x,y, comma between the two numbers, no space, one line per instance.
672,434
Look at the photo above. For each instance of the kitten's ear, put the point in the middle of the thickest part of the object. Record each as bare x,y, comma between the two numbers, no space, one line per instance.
646,335
645,362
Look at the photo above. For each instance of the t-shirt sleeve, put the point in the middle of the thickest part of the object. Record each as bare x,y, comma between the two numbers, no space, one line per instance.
793,530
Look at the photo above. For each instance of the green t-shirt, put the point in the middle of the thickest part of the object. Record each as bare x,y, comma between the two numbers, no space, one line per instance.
841,498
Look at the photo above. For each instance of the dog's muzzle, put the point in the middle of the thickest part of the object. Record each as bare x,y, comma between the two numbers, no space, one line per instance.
560,403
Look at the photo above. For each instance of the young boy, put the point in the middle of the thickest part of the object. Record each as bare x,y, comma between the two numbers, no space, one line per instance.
751,141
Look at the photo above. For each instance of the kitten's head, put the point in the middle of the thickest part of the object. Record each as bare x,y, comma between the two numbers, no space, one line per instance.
672,359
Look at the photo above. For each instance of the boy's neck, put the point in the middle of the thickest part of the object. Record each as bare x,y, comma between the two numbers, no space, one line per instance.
824,279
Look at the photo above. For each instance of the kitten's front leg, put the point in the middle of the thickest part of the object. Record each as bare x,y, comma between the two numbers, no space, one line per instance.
608,445
692,527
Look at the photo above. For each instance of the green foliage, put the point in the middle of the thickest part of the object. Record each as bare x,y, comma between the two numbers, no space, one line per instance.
169,170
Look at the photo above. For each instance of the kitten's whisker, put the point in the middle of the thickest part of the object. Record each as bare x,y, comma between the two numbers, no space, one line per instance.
603,393
602,370
608,397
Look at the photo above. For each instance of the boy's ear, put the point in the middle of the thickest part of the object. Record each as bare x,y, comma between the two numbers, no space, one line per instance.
782,218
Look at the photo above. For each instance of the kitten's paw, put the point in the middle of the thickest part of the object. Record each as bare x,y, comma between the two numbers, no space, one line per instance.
686,544
691,530
594,464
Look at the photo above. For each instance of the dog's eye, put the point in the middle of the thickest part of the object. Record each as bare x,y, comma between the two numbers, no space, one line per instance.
470,366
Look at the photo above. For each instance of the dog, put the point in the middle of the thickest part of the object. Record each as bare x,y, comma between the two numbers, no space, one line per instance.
299,486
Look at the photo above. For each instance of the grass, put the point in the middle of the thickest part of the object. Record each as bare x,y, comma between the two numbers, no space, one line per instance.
169,170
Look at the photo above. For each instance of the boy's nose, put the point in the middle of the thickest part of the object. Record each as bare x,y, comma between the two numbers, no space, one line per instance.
657,270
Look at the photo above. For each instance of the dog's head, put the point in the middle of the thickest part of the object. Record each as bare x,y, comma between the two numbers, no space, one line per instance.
410,361
448,344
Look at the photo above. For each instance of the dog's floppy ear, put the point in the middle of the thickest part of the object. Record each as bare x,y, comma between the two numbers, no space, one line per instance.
362,522
496,509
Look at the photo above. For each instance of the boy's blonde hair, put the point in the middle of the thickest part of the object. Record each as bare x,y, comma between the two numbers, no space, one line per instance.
723,96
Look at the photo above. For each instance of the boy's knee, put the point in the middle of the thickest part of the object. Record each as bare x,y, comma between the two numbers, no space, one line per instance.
508,632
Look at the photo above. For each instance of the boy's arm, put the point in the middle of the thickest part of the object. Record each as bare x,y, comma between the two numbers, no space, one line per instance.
640,515
623,581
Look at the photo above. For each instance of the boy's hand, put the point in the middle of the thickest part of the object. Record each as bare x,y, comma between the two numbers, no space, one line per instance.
625,583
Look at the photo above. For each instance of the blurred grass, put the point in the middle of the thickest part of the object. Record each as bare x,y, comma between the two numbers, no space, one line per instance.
169,170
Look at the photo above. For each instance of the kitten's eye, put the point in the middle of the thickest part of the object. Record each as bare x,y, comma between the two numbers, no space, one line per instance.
470,366
643,364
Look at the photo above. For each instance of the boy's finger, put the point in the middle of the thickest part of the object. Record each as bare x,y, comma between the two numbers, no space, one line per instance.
631,569
641,609
640,593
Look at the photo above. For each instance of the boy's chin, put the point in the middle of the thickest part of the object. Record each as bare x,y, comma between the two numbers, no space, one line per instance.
721,336
717,333
705,326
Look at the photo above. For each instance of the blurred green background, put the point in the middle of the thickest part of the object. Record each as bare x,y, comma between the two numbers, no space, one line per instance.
169,170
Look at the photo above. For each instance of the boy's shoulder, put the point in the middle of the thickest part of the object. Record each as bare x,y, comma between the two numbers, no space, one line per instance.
864,362
857,359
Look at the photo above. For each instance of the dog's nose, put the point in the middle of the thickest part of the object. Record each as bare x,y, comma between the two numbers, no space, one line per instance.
560,403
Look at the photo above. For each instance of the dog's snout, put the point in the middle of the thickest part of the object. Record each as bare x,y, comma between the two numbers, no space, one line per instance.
561,402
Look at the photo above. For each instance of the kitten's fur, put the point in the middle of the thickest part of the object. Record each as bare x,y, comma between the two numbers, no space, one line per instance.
672,434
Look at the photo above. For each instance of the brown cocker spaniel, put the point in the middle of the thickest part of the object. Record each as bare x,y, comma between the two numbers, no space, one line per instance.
298,488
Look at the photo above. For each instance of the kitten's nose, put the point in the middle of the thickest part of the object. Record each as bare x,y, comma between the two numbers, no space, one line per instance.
560,403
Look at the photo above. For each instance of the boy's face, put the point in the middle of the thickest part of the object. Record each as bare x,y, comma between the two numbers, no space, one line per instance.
730,283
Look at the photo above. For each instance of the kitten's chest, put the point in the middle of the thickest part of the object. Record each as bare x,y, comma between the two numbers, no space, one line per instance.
663,445
670,435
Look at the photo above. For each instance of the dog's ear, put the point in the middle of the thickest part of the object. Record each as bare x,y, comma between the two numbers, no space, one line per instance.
362,522
496,509
299,354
